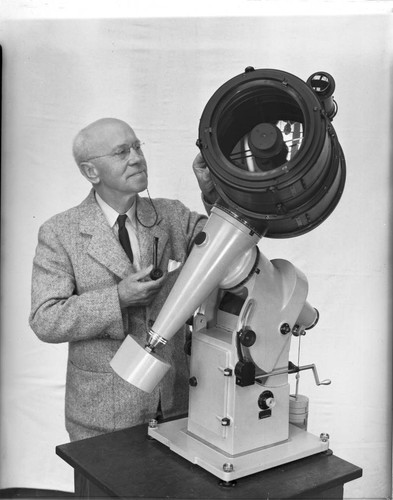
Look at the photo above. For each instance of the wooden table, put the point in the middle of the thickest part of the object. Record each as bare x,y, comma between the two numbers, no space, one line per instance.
127,464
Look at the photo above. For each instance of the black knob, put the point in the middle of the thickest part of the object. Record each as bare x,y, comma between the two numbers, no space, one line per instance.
200,238
285,329
247,337
193,381
266,400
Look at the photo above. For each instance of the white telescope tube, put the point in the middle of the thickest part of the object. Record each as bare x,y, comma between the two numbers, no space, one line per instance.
133,363
224,241
213,261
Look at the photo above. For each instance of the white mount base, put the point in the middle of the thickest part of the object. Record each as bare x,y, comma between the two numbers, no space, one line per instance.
174,434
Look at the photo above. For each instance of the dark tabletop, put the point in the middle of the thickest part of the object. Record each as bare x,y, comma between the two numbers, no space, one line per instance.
128,464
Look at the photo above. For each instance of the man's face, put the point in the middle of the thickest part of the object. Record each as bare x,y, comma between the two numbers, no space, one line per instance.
118,160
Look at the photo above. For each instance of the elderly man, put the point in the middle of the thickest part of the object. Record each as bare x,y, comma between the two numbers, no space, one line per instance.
91,282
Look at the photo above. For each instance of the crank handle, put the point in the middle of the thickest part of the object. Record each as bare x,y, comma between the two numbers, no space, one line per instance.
314,371
295,369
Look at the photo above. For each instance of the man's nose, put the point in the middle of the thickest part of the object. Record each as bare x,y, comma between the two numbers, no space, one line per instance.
133,157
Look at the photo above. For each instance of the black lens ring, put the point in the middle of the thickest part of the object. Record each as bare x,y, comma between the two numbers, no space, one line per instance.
296,196
242,88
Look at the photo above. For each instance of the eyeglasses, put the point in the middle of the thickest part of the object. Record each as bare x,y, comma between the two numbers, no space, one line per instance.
123,153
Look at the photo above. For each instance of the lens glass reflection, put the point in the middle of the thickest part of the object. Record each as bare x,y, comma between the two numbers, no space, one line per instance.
260,129
267,146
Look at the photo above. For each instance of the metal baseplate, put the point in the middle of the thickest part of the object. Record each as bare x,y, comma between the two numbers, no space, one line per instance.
174,434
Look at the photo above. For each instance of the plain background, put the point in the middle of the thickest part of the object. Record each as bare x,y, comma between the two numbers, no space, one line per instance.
156,68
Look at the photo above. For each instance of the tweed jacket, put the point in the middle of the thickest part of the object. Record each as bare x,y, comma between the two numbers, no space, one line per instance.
76,269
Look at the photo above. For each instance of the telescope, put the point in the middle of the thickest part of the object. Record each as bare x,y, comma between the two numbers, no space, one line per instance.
279,171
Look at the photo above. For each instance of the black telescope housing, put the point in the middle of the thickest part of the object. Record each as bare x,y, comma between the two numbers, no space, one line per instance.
267,138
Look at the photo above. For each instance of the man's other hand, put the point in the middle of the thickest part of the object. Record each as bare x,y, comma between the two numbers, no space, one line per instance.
204,179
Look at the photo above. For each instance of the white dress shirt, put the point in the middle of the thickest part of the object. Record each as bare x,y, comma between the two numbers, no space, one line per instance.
131,225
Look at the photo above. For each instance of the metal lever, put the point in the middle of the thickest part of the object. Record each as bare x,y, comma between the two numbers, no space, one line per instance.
295,369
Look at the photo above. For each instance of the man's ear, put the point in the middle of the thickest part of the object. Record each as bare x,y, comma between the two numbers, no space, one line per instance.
90,172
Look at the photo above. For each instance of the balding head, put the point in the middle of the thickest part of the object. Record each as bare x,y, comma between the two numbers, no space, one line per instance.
109,156
91,140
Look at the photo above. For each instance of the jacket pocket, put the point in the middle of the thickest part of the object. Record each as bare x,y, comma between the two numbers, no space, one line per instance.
89,399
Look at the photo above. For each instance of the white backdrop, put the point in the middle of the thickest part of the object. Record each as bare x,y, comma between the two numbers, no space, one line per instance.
158,74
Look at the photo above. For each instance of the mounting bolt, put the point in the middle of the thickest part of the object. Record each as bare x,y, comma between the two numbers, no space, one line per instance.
225,422
228,372
324,437
227,467
153,423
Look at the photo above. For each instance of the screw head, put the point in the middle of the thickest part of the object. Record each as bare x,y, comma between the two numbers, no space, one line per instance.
227,467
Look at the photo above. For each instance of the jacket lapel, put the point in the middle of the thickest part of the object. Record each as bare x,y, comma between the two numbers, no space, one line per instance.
104,246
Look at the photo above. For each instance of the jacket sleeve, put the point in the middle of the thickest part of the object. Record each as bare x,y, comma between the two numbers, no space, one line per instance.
58,313
192,224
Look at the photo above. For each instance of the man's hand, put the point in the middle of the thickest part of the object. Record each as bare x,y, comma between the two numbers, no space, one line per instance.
204,179
138,289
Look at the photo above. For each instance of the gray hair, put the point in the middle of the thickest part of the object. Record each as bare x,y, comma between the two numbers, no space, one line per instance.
80,149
